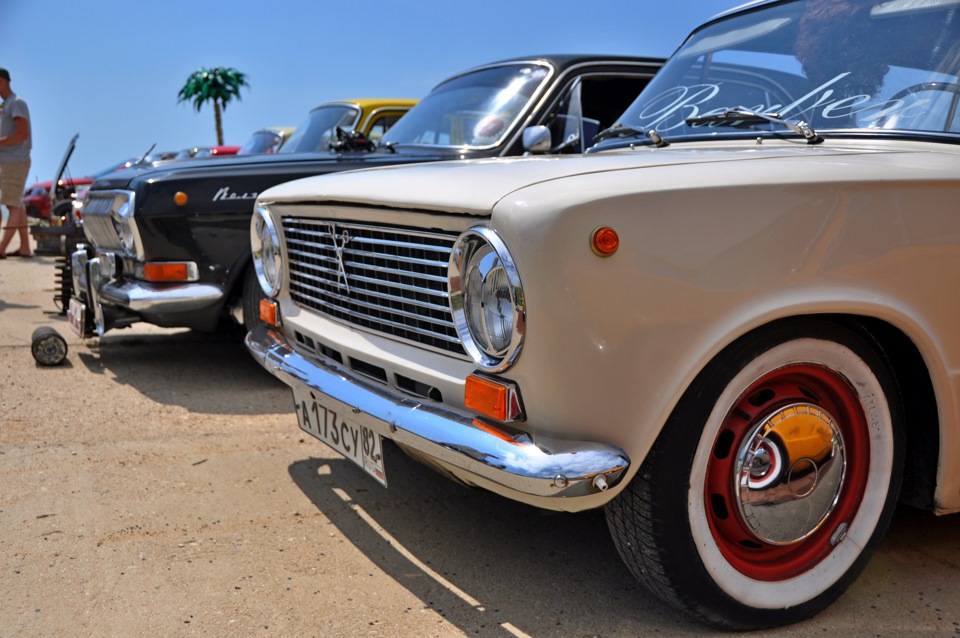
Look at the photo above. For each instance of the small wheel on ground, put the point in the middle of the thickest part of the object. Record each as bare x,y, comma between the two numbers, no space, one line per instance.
47,346
773,480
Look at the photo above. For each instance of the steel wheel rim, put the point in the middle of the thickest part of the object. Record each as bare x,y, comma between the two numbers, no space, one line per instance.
758,555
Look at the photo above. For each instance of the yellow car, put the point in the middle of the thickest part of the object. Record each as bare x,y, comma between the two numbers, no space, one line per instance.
367,120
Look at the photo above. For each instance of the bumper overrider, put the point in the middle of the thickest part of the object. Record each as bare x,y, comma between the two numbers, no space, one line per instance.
117,302
509,464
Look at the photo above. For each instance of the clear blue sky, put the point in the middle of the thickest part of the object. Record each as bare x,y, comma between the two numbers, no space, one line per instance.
110,70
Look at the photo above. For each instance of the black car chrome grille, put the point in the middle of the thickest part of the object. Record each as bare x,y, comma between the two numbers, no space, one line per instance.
97,214
388,280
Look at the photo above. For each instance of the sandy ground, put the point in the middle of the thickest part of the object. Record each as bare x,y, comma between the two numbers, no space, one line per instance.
156,484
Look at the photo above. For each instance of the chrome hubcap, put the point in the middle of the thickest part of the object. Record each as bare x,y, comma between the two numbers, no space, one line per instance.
789,473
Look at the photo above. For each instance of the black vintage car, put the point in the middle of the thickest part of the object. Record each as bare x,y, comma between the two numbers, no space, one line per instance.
169,244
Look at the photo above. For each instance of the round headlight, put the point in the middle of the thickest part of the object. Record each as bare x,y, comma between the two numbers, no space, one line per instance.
486,299
265,243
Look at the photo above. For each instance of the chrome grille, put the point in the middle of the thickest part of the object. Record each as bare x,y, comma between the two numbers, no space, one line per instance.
388,280
97,211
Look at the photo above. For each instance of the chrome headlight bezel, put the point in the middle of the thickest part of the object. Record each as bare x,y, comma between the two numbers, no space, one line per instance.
265,245
480,252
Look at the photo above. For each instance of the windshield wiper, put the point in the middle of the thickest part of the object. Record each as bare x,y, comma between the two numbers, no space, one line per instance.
740,115
622,130
390,146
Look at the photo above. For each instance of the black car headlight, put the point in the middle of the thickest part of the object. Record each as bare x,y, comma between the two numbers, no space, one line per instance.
265,244
486,299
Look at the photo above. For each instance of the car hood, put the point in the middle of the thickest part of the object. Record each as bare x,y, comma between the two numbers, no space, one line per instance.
230,165
474,187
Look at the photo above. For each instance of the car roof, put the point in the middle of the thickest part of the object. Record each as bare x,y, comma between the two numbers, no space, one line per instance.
282,130
373,103
561,62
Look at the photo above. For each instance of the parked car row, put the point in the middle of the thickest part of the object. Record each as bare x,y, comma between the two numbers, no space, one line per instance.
170,243
41,199
712,298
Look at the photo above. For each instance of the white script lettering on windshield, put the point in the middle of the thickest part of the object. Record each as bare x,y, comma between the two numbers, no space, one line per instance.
668,110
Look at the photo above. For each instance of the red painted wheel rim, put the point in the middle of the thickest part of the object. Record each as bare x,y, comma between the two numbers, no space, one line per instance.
809,384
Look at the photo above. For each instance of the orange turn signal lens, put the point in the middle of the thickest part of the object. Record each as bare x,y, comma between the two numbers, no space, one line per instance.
499,400
486,397
605,241
176,271
269,312
180,198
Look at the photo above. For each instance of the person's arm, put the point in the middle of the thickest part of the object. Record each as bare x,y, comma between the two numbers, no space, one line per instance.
19,134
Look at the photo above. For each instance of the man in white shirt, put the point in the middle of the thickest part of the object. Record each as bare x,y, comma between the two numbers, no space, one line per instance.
16,141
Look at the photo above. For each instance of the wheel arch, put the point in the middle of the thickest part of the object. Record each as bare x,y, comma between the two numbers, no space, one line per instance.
920,404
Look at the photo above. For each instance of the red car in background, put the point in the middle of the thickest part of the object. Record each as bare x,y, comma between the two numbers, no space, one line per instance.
37,200
40,200
207,151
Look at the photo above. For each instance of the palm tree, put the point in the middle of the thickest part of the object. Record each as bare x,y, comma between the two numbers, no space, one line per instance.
218,85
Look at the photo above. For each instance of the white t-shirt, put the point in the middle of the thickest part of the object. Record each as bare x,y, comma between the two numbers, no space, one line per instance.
12,108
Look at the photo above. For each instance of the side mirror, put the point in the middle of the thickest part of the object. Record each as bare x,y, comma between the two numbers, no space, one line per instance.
536,139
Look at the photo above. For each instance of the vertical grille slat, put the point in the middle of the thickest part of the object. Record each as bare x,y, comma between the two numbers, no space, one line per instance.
397,278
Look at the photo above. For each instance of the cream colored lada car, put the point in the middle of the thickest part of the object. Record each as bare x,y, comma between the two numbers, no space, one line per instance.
733,323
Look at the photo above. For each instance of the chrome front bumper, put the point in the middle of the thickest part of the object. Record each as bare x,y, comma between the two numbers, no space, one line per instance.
107,296
146,298
510,464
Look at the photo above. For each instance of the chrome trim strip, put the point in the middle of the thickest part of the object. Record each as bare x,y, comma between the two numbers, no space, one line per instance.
78,268
523,469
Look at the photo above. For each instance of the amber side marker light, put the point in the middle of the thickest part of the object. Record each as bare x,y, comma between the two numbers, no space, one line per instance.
269,313
495,399
180,198
166,272
604,241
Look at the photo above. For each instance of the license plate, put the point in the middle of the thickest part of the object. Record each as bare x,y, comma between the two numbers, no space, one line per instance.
76,315
356,442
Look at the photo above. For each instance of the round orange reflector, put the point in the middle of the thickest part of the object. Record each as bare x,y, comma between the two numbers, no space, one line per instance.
180,198
605,241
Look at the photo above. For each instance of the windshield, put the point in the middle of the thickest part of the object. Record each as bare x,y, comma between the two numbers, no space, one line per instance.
319,130
474,110
834,64
261,142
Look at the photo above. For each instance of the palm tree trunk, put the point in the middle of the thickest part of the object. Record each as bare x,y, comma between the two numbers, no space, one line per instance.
219,119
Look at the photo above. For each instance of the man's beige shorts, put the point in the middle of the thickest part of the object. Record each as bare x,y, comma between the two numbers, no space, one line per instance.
13,179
